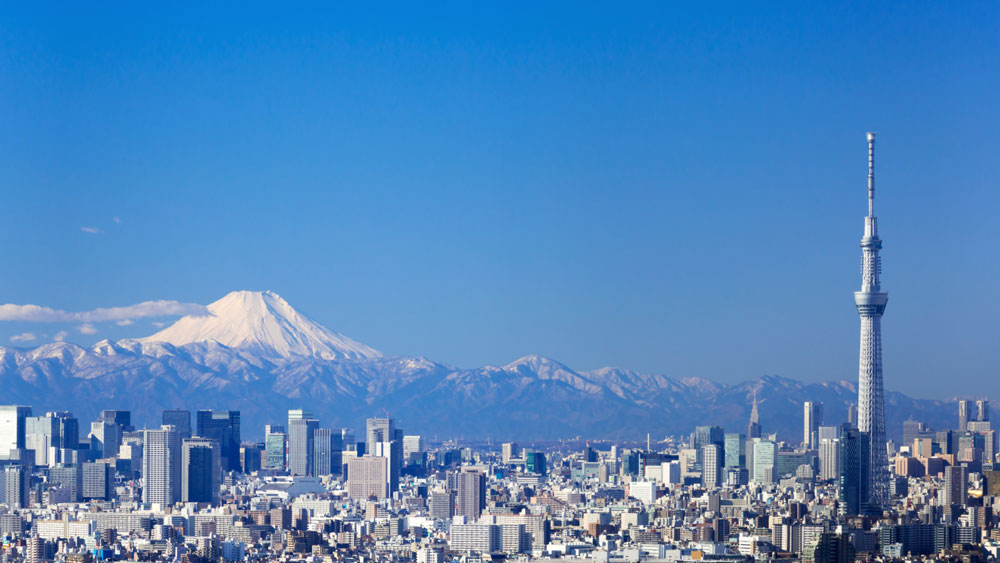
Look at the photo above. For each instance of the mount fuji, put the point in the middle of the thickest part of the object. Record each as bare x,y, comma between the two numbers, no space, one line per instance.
265,324
255,353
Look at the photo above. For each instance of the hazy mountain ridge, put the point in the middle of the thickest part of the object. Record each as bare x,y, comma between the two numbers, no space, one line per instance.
280,367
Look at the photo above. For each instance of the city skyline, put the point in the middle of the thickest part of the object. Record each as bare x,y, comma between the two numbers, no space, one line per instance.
597,196
469,283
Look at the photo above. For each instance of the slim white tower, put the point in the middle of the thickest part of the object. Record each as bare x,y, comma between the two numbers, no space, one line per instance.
871,302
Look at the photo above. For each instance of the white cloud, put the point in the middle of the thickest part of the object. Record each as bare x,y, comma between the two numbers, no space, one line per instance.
158,324
125,322
23,337
87,328
38,313
91,230
60,336
118,220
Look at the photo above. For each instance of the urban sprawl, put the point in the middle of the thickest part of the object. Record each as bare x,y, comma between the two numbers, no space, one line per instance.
192,490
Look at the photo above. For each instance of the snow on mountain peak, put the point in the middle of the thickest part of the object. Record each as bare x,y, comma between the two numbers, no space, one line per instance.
263,322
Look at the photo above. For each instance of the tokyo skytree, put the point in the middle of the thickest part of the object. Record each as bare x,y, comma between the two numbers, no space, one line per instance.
871,302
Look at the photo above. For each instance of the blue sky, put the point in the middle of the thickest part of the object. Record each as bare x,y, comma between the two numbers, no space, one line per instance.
668,188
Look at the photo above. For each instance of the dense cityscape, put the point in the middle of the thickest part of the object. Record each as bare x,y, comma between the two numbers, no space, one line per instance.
666,196
192,490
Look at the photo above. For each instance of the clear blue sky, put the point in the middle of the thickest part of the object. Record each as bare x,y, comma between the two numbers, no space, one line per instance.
668,188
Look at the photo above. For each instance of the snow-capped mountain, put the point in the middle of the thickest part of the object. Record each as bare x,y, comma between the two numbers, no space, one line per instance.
256,354
264,323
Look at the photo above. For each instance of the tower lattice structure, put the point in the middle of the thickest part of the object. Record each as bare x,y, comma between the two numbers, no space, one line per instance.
871,301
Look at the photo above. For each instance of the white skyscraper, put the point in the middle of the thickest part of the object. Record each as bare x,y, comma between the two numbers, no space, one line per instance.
161,466
12,428
829,459
871,302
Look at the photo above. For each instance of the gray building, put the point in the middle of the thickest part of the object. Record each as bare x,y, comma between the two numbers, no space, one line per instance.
385,439
105,438
471,497
854,490
441,504
201,470
327,446
812,419
98,480
224,428
181,419
953,493
300,445
69,477
16,483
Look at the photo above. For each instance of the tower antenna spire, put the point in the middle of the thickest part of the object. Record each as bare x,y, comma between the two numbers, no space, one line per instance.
871,174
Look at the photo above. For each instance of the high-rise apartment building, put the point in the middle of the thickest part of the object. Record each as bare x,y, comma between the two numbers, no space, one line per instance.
812,419
224,428
201,470
829,459
471,494
711,465
368,477
870,302
161,466
16,485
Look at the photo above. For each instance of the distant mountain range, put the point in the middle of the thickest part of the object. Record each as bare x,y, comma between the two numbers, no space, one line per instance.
253,352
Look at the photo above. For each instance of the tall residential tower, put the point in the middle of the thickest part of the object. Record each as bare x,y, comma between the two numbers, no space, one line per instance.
871,302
